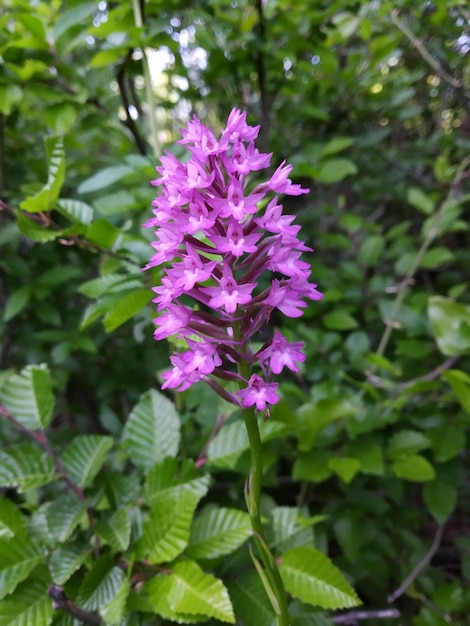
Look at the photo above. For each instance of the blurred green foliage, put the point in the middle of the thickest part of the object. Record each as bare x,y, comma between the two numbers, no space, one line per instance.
366,454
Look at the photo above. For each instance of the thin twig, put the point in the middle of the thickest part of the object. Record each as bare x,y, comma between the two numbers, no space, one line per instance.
430,376
418,44
432,234
354,616
60,601
130,123
416,571
40,438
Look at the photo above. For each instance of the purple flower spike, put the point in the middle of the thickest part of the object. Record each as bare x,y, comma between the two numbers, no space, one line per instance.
215,243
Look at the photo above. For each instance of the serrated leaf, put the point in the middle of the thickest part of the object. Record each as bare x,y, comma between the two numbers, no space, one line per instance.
339,320
290,528
66,560
28,397
460,383
9,96
125,308
335,145
417,198
18,557
188,593
166,531
63,515
169,478
45,199
34,231
77,211
310,576
84,457
406,442
16,302
104,178
12,521
311,419
60,117
334,170
450,324
232,440
414,468
447,442
116,530
441,499
152,431
249,599
344,467
218,531
72,17
113,612
115,203
25,466
101,584
29,605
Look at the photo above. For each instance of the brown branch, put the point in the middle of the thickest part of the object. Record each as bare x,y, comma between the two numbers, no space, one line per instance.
40,438
416,571
220,421
354,616
418,44
130,123
60,601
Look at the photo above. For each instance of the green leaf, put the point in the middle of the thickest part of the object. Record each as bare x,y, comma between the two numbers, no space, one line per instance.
447,442
17,302
406,442
60,117
460,383
66,560
232,440
116,530
125,308
12,521
335,145
29,605
84,457
441,499
113,612
104,178
417,198
110,283
10,95
346,468
72,17
166,532
311,419
76,211
312,467
414,468
168,479
249,599
45,199
103,234
370,250
450,325
101,584
63,515
310,576
28,397
188,594
18,557
35,231
218,531
25,466
334,170
290,529
436,257
152,431
115,203
339,320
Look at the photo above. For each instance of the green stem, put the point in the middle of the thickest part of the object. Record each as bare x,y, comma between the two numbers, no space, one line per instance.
153,139
272,577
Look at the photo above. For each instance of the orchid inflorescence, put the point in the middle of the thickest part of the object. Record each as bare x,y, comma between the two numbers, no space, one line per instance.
216,243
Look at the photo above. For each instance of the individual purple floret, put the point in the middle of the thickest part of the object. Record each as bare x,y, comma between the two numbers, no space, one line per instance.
216,241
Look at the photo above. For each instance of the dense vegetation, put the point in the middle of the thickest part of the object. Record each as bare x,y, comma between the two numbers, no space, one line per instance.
123,504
